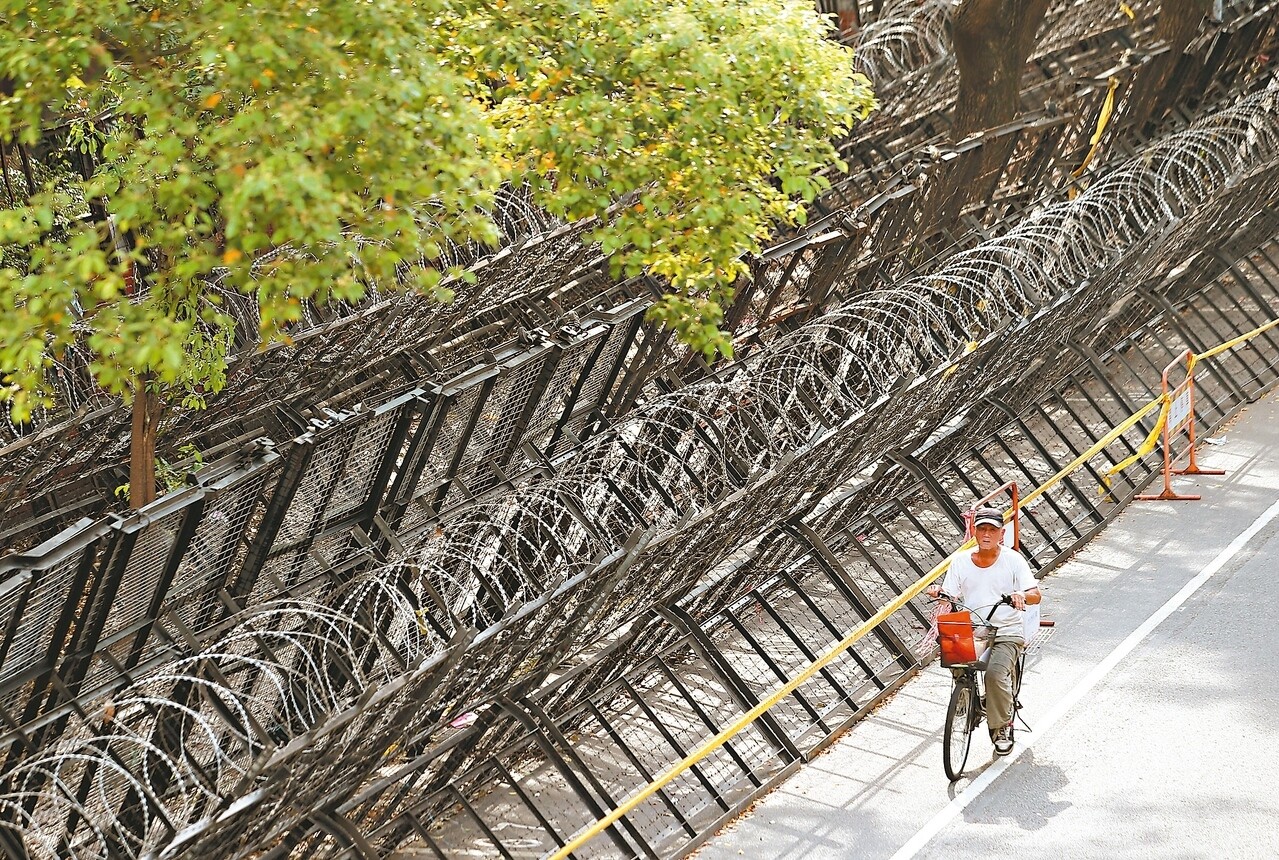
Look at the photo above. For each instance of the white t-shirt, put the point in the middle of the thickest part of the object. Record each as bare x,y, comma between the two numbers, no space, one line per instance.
980,588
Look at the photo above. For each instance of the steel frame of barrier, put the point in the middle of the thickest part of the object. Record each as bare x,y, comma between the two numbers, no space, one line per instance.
1180,415
267,522
878,542
299,518
894,543
884,204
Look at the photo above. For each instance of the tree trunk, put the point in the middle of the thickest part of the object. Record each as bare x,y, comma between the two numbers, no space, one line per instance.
850,18
992,40
146,420
1179,22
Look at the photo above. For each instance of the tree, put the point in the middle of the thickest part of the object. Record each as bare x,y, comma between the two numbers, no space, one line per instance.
302,152
993,39
1179,21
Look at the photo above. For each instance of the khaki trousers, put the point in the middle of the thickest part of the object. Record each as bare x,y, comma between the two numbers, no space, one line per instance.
1000,673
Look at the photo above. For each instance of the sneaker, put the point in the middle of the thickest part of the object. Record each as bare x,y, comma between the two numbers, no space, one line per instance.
1003,742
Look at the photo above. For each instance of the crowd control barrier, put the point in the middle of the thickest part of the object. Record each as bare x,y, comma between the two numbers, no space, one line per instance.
1179,403
1176,412
1176,406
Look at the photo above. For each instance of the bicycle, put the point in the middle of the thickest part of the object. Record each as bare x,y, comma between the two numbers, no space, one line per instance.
967,707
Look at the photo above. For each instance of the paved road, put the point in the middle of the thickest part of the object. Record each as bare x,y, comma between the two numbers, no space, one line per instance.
1155,703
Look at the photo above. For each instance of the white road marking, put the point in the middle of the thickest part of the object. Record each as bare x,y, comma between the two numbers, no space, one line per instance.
990,774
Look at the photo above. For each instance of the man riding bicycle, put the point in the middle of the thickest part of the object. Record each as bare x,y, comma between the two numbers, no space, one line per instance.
981,580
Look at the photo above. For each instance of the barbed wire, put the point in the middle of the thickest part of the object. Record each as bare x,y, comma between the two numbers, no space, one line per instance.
48,454
157,761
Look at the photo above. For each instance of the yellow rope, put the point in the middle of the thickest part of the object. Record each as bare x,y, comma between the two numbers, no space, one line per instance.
1231,344
1101,443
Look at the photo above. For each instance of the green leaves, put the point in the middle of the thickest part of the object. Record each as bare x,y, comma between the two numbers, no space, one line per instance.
222,139
713,115
695,322
265,158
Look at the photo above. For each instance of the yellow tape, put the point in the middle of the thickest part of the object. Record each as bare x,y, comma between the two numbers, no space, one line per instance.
887,610
1152,439
1107,108
1231,344
1101,443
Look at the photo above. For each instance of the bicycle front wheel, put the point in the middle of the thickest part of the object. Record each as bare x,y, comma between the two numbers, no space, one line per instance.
958,734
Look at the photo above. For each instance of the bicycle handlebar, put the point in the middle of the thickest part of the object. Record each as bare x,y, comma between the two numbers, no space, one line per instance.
1003,599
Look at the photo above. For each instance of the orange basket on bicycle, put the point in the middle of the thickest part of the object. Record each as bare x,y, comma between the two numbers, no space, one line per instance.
955,636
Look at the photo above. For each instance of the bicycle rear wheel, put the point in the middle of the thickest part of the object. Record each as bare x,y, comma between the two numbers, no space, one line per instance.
958,734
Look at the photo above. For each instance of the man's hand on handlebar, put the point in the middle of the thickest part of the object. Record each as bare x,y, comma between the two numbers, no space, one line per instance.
1018,600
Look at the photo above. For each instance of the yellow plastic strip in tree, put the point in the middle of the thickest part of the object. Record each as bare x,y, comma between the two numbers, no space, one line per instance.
1107,108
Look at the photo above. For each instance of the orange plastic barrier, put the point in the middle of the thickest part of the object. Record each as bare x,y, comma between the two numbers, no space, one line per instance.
1181,414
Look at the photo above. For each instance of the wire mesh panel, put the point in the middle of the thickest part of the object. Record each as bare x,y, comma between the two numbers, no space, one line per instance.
42,618
761,513
598,389
556,401
373,450
305,497
762,642
14,594
673,704
881,567
501,422
215,549
305,513
448,434
129,604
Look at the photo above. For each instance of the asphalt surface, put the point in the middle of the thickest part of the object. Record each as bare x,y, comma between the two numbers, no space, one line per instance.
1155,704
